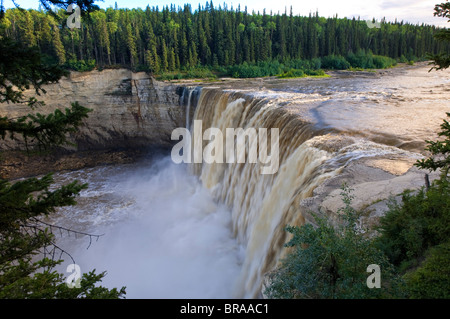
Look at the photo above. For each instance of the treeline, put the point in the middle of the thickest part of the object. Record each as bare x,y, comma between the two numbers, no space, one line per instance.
169,39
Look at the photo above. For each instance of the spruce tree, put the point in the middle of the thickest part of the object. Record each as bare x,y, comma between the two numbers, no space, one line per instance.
442,61
24,237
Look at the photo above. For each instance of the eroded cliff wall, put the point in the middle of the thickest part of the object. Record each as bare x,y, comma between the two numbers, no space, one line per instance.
130,110
131,113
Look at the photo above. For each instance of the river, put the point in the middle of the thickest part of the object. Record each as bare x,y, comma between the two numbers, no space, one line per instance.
213,230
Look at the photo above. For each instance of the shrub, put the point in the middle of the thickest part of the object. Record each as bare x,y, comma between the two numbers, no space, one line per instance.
80,65
199,73
421,221
432,279
315,72
383,62
361,60
261,69
335,62
292,73
330,262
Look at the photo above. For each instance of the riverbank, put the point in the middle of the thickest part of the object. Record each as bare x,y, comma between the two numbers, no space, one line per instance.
134,113
247,82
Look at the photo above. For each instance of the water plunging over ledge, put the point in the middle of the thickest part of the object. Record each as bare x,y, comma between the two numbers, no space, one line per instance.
214,230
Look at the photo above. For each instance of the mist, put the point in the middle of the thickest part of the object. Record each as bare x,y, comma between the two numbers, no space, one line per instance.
164,235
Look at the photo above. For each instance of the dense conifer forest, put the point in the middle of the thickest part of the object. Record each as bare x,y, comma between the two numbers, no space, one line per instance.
231,40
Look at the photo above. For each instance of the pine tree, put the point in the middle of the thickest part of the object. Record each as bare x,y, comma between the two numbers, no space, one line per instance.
164,57
172,60
131,43
442,61
27,28
23,235
209,35
58,46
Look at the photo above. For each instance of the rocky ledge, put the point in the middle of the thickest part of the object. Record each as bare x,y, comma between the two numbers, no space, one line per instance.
131,114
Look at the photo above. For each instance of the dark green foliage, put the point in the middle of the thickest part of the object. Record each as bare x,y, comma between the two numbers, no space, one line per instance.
361,60
23,237
246,70
192,73
28,252
313,64
81,65
29,281
440,151
335,62
171,38
331,262
315,72
45,131
293,73
383,62
432,279
22,68
421,221
441,60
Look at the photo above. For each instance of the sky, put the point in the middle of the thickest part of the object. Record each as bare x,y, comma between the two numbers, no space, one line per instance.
413,11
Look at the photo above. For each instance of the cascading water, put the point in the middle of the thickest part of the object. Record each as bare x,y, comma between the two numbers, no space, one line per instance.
214,230
188,97
262,205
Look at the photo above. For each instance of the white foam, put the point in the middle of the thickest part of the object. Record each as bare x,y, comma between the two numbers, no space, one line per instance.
172,241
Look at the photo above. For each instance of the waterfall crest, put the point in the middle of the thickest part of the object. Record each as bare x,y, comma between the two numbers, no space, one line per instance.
262,205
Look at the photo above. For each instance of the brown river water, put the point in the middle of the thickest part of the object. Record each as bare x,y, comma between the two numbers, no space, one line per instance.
214,230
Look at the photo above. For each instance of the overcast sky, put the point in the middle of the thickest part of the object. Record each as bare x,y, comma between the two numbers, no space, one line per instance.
413,11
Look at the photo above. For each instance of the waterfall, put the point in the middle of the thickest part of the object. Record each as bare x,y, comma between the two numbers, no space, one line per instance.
261,205
189,94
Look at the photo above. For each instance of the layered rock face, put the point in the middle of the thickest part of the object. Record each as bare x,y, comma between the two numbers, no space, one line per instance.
130,110
131,114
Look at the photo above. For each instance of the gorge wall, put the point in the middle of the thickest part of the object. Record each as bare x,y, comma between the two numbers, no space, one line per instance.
131,112
129,109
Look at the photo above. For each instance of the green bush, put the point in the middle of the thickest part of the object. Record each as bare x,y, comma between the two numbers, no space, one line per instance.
383,62
331,262
292,73
314,64
261,69
168,76
192,73
199,73
432,279
403,59
315,72
361,60
421,221
335,62
80,65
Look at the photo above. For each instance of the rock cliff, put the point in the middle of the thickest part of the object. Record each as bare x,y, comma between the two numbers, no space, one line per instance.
130,110
131,113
